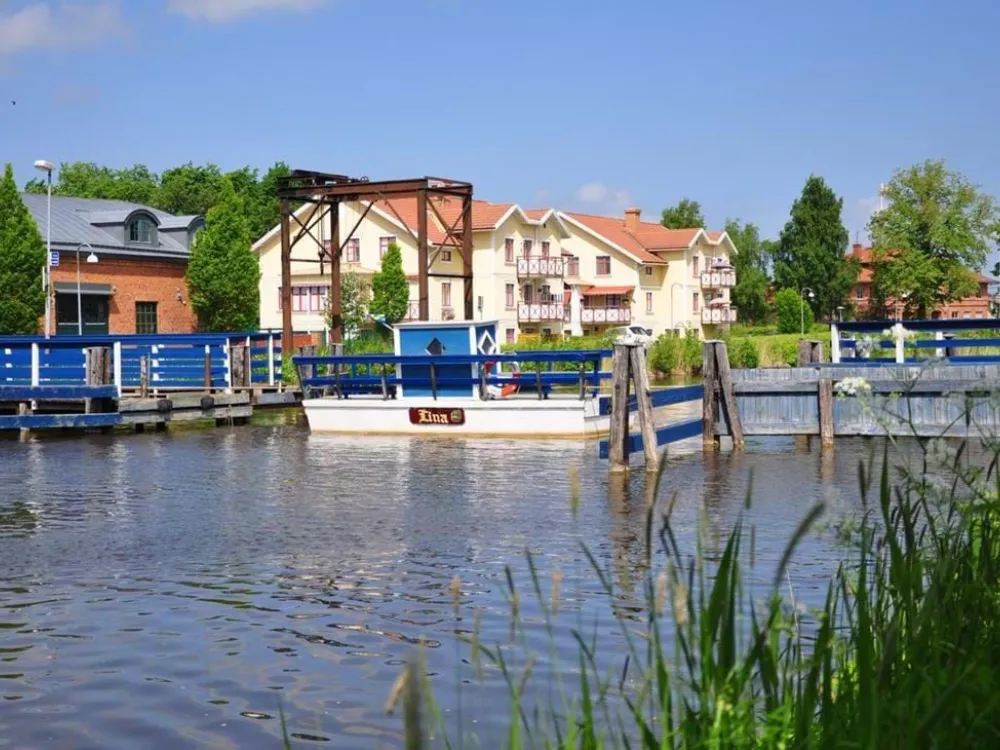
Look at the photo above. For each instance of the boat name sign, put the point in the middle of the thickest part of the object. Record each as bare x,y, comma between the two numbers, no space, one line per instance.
437,416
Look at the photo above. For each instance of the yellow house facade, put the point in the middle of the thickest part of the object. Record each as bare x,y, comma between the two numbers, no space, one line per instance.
541,272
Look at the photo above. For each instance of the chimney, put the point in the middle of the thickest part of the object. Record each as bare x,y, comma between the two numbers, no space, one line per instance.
857,248
632,219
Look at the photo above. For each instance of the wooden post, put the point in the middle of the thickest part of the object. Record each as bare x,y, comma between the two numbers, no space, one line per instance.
709,404
826,411
640,376
98,373
306,372
805,353
208,368
725,377
23,410
618,429
817,352
144,376
238,367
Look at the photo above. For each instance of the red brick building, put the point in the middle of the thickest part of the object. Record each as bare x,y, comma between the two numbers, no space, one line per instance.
974,306
132,261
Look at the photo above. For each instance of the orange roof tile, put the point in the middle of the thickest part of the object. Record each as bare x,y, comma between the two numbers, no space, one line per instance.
485,215
613,229
536,213
599,290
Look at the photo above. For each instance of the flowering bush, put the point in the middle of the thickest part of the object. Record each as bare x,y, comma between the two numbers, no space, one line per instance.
853,386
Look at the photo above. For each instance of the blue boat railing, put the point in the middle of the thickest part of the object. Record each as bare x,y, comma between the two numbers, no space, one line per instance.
450,376
944,347
176,361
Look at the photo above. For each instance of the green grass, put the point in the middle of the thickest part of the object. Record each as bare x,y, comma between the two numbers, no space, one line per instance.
903,653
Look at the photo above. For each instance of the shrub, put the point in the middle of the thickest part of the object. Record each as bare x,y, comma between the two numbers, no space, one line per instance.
792,312
783,350
692,354
743,353
665,353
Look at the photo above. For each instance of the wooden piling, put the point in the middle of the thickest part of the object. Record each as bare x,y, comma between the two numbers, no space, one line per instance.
709,403
810,352
725,377
98,360
23,410
644,407
144,376
826,412
238,364
618,436
208,369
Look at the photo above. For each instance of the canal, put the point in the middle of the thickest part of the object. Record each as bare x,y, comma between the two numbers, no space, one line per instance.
175,589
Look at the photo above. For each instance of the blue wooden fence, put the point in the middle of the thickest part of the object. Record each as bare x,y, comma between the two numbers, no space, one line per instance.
947,338
176,361
671,433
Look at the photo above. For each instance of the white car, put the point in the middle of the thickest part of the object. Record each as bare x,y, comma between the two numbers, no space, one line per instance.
631,335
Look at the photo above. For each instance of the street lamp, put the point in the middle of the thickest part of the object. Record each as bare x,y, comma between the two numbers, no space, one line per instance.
47,167
802,307
92,258
840,313
676,283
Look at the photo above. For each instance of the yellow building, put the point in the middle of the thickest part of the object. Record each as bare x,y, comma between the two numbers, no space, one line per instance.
536,272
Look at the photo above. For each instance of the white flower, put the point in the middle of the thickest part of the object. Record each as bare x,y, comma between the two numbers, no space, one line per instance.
853,386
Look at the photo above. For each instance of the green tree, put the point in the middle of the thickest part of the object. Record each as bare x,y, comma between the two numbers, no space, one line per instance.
355,298
22,258
191,189
812,249
935,231
685,215
223,274
750,262
391,291
792,313
88,180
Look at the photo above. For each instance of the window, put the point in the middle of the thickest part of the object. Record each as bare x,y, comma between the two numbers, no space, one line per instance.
573,266
446,256
614,300
694,266
526,248
383,245
694,301
145,317
861,292
141,231
353,250
649,302
529,294
446,294
510,335
545,249
508,250
508,291
649,270
979,292
307,298
603,265
545,293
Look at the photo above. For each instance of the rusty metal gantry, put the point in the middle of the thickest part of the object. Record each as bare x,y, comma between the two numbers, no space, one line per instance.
327,191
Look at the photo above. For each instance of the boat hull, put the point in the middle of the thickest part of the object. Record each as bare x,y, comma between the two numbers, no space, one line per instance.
569,418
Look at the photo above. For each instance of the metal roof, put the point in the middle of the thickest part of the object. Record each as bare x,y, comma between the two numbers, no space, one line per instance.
72,223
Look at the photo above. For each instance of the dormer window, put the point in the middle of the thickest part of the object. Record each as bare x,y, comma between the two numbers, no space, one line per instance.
141,231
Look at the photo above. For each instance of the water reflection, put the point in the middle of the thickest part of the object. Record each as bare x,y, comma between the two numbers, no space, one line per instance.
166,589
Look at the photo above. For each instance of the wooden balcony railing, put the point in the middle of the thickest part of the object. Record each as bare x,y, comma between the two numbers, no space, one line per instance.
540,267
614,314
542,312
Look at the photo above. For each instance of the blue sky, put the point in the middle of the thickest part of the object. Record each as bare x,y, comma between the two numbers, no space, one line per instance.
589,105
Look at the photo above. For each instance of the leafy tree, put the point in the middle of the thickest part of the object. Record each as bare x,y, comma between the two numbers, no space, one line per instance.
792,312
355,297
391,291
22,257
88,180
812,248
191,189
685,215
223,274
937,228
750,263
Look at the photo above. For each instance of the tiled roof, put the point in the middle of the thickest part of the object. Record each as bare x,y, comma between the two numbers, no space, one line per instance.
613,229
485,215
72,224
600,290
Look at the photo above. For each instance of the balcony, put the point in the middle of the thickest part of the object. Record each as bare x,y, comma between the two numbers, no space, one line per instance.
718,279
540,267
613,315
542,312
412,310
718,314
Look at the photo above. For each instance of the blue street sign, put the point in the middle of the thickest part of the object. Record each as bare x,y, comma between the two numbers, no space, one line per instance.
54,258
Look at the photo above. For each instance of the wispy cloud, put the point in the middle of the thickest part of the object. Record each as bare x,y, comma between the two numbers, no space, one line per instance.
599,195
222,11
39,26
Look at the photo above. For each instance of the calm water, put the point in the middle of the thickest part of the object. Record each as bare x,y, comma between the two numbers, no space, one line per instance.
168,590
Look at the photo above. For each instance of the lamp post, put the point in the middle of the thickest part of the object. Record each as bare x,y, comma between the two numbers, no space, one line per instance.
676,283
92,258
802,308
47,167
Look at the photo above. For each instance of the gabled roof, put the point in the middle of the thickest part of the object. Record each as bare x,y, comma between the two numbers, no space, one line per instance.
87,220
647,239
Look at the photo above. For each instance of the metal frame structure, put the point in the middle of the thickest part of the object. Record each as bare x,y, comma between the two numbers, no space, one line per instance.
327,191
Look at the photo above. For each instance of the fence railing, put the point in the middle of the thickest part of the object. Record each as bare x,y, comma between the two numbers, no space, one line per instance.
174,361
872,342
